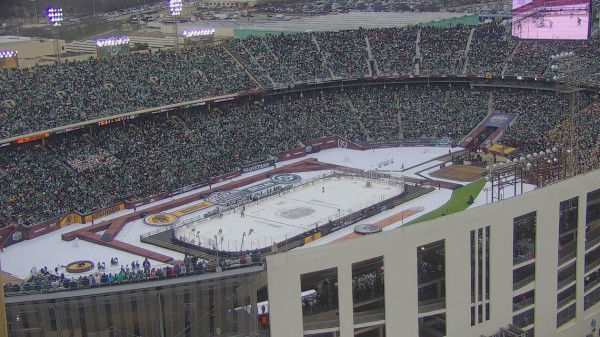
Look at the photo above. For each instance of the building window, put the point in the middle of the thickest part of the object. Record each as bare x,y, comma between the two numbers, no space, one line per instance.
320,299
480,275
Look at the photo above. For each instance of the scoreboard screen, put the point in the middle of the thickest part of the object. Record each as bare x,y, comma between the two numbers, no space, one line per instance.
114,50
196,41
551,19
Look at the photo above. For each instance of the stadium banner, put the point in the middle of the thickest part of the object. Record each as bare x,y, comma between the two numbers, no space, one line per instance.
68,219
224,177
129,204
6,231
31,232
6,234
104,212
258,166
312,237
408,142
185,189
321,143
291,154
346,144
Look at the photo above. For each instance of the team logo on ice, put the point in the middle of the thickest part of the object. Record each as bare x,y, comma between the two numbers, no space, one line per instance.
286,178
222,198
295,213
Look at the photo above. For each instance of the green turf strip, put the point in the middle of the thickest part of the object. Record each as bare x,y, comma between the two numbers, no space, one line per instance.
458,202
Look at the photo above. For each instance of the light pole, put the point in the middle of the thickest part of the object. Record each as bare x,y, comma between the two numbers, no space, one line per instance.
175,6
218,266
55,16
216,237
242,244
35,13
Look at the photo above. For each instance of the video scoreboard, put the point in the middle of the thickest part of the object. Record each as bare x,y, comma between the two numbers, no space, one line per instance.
551,19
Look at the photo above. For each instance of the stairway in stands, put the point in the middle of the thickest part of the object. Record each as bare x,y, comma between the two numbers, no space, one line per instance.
241,64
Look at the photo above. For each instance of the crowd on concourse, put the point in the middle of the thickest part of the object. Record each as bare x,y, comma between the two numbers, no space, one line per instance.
45,280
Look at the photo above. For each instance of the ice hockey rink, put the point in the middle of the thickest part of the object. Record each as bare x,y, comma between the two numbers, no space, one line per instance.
313,203
558,22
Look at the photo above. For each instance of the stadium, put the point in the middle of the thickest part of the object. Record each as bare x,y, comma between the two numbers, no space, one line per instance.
406,181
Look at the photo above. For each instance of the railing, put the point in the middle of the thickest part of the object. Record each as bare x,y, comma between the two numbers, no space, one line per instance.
592,265
523,258
432,307
319,325
566,257
566,281
524,282
565,300
374,317
590,285
523,304
565,316
591,243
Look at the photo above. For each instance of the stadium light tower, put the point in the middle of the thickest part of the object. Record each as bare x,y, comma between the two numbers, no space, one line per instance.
55,16
175,6
570,71
35,13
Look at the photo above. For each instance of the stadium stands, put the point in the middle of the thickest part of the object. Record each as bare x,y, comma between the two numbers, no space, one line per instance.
95,167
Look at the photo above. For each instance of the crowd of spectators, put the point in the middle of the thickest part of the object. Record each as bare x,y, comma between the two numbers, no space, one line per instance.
534,57
89,169
490,49
44,97
543,123
443,57
480,7
394,49
303,62
44,280
93,168
367,286
584,135
50,96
